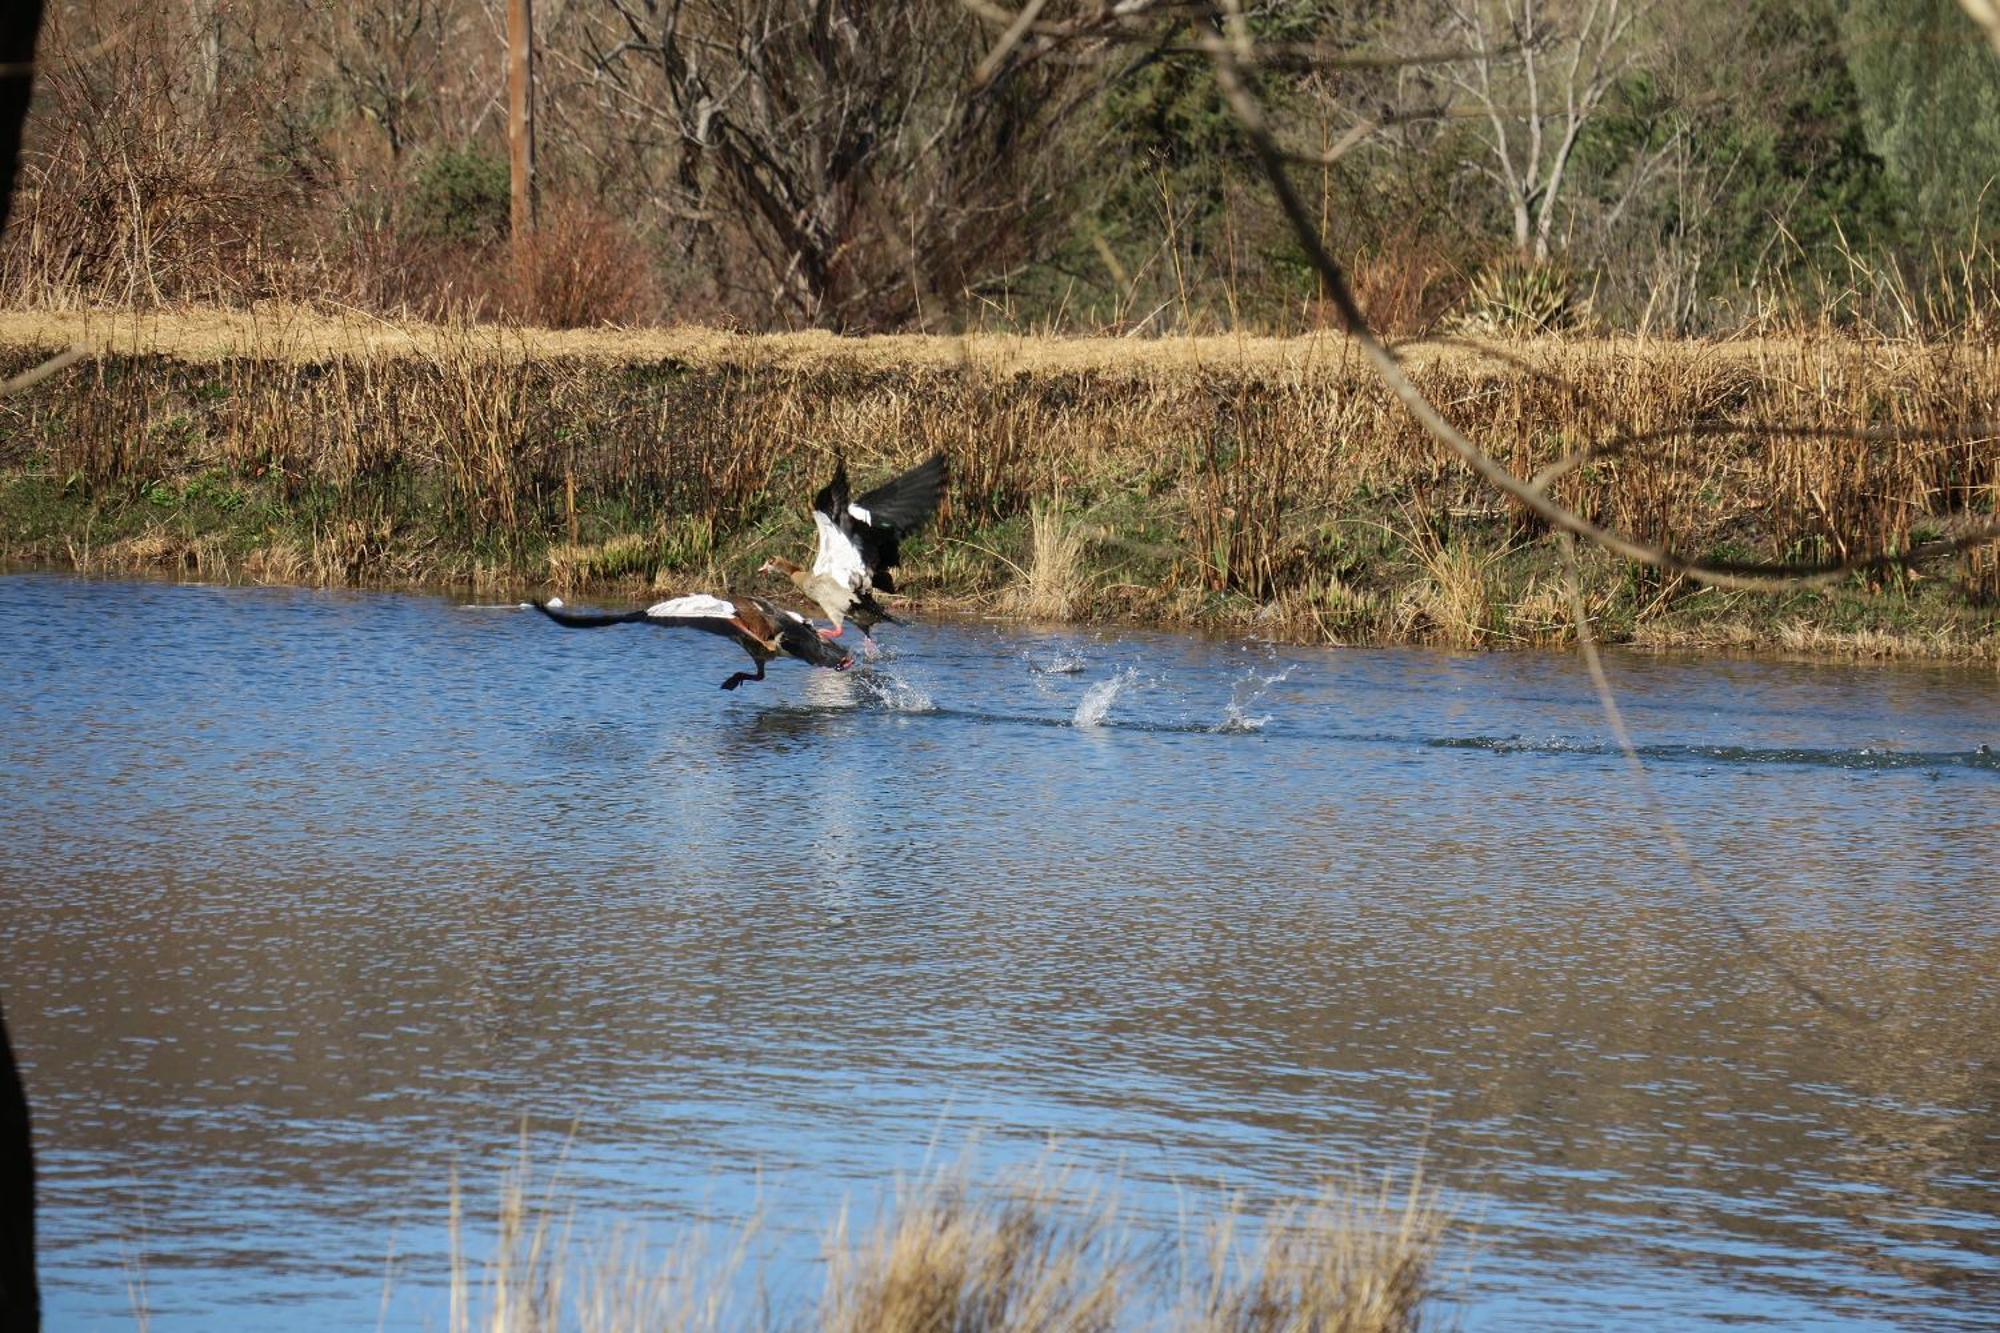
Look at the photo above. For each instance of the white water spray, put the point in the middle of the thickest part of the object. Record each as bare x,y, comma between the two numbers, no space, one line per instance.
1097,700
1248,689
896,692
1063,662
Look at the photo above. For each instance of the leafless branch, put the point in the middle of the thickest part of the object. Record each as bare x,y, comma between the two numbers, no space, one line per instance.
1985,13
1130,24
1743,575
28,379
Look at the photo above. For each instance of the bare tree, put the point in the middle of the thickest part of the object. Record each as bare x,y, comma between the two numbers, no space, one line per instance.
389,55
1538,72
853,157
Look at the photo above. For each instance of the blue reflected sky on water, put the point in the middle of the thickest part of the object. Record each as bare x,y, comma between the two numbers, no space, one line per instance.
309,895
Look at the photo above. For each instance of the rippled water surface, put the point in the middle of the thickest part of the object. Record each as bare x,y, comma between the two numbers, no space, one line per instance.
305,897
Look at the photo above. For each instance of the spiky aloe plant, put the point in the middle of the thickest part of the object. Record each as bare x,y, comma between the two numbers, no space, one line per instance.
1520,297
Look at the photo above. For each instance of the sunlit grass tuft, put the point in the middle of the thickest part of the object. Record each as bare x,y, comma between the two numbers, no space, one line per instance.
1019,1256
1027,1252
1354,1260
1056,582
1457,602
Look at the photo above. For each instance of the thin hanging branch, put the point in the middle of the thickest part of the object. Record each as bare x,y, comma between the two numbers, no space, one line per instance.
1226,50
1225,38
1747,934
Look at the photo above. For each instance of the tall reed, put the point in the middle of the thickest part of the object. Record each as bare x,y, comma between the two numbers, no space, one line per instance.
1257,482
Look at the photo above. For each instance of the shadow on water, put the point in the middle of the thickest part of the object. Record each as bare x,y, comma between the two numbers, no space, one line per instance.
1982,758
884,692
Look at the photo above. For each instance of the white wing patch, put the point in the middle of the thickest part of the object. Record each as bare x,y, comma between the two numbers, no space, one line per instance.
700,604
861,514
837,555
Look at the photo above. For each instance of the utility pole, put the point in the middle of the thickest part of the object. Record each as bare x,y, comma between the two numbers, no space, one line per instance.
521,121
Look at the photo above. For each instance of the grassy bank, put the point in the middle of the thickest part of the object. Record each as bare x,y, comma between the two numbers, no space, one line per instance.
1263,486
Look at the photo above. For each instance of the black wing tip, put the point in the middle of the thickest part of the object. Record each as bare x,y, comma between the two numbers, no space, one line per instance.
586,619
831,499
927,475
551,612
906,502
930,473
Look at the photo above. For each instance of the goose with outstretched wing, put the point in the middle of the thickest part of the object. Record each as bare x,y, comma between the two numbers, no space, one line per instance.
860,544
761,629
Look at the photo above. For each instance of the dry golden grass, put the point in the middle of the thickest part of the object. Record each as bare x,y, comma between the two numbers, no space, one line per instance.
1803,638
1236,482
281,562
1542,615
1027,1254
950,1257
161,548
304,333
1455,604
1056,582
308,333
1354,1260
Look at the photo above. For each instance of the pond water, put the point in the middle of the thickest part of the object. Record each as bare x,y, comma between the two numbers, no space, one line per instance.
308,898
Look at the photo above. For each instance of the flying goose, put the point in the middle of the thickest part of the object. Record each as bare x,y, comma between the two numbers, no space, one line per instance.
860,544
762,630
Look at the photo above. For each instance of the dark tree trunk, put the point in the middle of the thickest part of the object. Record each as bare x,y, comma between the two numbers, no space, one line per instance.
20,1299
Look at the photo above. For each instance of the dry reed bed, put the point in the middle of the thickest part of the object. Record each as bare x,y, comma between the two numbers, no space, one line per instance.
1026,1253
1268,483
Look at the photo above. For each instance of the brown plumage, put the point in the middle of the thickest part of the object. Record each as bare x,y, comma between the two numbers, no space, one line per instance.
761,629
860,543
835,596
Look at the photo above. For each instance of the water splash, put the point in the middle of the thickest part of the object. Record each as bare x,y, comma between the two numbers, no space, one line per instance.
1063,662
1246,691
896,692
1097,700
